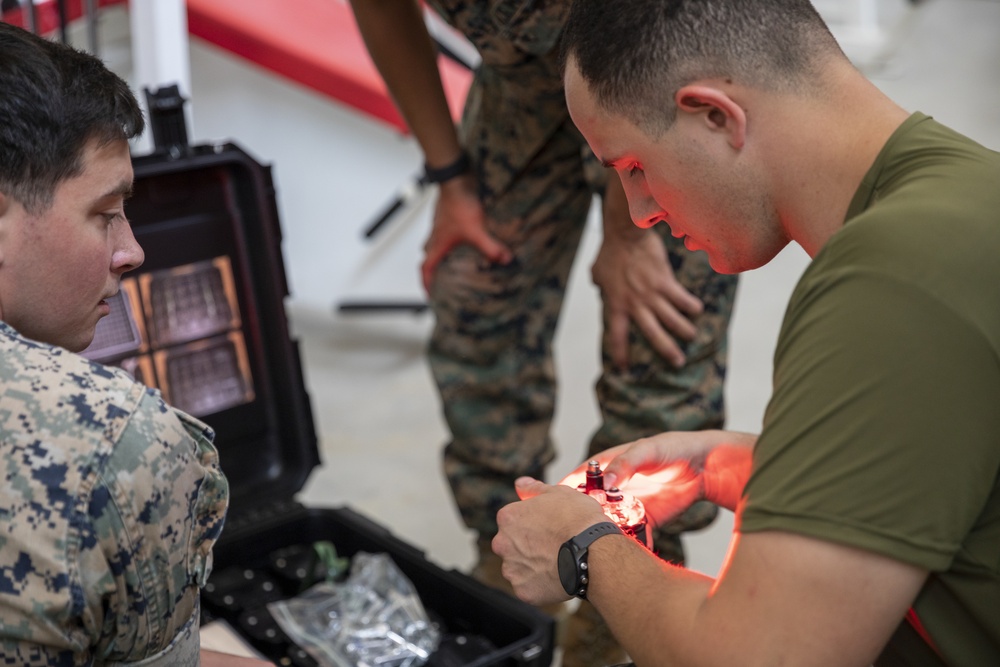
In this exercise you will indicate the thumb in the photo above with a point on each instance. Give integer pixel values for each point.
(528, 487)
(618, 472)
(491, 248)
(434, 253)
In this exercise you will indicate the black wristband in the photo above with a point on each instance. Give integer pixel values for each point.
(447, 172)
(572, 562)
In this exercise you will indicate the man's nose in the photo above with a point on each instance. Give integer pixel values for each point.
(644, 211)
(128, 254)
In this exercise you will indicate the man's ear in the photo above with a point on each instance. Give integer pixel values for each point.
(720, 112)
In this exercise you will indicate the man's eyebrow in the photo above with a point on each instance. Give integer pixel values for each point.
(123, 190)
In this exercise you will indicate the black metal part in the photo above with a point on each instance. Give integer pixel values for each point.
(355, 307)
(63, 21)
(383, 218)
(166, 120)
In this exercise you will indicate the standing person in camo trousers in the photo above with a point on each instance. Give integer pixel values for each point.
(516, 185)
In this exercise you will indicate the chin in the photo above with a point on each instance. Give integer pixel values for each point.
(732, 265)
(721, 265)
(80, 342)
(724, 269)
(77, 348)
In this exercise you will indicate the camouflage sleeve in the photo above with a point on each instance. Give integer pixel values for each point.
(157, 512)
(125, 578)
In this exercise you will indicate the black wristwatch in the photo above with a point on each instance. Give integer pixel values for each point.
(573, 572)
(460, 166)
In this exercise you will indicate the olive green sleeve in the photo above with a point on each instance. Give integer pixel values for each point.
(883, 428)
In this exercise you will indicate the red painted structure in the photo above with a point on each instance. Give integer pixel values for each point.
(315, 43)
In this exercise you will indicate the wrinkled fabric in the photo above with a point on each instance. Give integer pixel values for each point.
(111, 501)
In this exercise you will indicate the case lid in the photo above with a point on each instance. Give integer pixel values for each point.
(203, 318)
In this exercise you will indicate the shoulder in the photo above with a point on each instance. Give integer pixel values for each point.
(912, 248)
(930, 184)
(51, 369)
(65, 403)
(927, 216)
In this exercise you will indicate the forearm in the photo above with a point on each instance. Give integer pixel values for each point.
(650, 605)
(780, 598)
(402, 50)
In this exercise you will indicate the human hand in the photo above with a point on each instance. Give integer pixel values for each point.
(531, 532)
(459, 219)
(666, 483)
(638, 285)
(671, 471)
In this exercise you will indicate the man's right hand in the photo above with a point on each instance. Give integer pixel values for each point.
(459, 219)
(671, 471)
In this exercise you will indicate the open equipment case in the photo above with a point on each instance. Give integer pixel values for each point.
(203, 320)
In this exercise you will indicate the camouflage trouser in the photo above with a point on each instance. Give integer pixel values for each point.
(652, 397)
(491, 349)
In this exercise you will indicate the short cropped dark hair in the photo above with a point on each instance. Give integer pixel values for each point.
(53, 101)
(636, 54)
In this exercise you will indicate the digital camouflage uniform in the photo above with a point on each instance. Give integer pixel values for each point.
(111, 502)
(491, 349)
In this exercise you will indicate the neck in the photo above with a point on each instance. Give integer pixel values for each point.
(819, 172)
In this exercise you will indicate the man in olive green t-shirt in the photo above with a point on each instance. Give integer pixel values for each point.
(868, 510)
(883, 432)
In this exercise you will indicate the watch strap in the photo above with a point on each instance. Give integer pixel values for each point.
(460, 166)
(587, 537)
(578, 547)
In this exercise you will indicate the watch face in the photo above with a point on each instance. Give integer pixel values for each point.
(567, 570)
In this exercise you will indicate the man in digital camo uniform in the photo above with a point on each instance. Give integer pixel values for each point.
(515, 190)
(111, 499)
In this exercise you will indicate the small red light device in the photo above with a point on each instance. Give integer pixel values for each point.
(624, 509)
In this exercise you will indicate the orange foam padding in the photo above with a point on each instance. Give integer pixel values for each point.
(315, 43)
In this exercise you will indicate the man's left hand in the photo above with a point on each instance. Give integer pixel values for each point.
(531, 532)
(638, 285)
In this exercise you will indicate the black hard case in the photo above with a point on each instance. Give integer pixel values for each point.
(207, 201)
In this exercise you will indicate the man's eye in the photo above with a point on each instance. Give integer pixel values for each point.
(112, 216)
